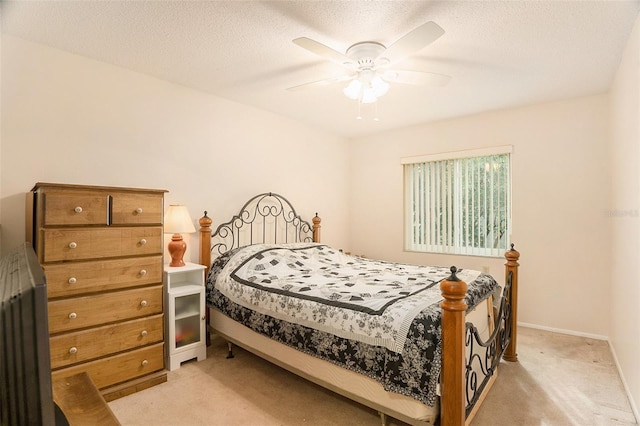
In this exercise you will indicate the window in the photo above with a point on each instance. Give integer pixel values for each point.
(459, 203)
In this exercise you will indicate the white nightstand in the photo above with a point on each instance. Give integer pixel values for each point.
(185, 314)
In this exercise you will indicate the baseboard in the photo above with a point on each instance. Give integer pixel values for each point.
(634, 408)
(632, 403)
(563, 331)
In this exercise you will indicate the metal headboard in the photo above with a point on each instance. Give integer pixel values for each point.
(265, 218)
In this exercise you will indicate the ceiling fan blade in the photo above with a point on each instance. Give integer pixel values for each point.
(413, 41)
(318, 83)
(322, 50)
(417, 78)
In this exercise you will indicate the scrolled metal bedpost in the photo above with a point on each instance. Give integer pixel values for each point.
(316, 228)
(511, 269)
(452, 377)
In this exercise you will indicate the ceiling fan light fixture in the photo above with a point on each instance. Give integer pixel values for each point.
(369, 95)
(365, 89)
(352, 91)
(379, 86)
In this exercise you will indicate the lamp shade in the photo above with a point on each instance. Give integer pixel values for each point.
(178, 221)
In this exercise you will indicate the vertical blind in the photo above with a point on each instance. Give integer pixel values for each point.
(459, 205)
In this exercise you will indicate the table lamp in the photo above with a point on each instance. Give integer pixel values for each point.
(177, 221)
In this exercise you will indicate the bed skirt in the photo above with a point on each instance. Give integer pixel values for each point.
(350, 384)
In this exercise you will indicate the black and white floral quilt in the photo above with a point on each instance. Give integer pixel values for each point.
(381, 319)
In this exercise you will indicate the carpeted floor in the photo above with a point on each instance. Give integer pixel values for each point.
(560, 380)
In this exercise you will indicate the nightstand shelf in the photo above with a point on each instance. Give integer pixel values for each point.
(185, 321)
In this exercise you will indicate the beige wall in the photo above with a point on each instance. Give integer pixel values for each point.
(560, 193)
(74, 120)
(625, 222)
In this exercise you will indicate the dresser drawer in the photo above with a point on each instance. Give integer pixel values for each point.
(119, 368)
(71, 279)
(71, 208)
(81, 346)
(89, 311)
(136, 209)
(89, 243)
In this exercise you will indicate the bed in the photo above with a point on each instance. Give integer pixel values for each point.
(420, 344)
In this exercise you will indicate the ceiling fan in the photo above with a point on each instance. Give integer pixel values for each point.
(369, 64)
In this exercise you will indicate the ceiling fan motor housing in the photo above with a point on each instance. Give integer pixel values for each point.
(365, 55)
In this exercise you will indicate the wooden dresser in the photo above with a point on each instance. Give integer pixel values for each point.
(101, 249)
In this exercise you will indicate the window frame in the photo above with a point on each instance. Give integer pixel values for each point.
(455, 246)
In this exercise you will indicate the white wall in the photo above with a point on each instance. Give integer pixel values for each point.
(73, 120)
(625, 217)
(559, 196)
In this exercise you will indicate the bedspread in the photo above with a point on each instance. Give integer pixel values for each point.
(381, 319)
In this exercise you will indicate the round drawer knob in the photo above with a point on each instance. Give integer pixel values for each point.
(143, 272)
(73, 350)
(143, 242)
(73, 315)
(144, 303)
(143, 333)
(144, 362)
(138, 210)
(78, 209)
(73, 245)
(73, 280)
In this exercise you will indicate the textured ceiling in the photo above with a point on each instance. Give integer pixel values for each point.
(499, 53)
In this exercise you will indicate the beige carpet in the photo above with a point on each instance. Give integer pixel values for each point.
(560, 380)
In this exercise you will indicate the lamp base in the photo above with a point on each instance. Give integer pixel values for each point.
(177, 247)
